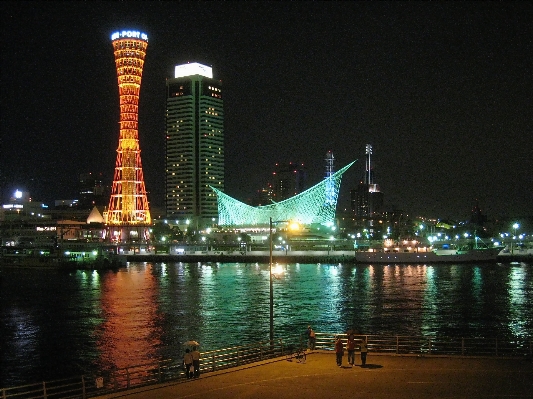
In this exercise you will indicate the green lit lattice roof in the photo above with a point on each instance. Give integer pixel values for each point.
(315, 205)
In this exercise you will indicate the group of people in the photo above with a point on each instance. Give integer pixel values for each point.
(350, 347)
(191, 360)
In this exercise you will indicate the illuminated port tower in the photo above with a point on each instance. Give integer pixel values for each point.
(128, 205)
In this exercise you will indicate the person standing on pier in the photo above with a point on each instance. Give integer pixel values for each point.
(196, 361)
(187, 361)
(339, 351)
(364, 351)
(312, 339)
(350, 347)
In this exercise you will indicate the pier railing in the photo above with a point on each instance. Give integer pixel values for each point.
(172, 370)
(428, 345)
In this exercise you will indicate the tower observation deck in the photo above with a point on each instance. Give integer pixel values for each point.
(128, 205)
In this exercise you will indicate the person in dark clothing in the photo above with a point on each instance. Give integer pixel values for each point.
(339, 351)
(196, 362)
(312, 339)
(350, 347)
(364, 351)
(187, 361)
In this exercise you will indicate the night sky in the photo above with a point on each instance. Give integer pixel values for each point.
(442, 90)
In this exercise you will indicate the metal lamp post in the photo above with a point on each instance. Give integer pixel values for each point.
(515, 226)
(271, 291)
(271, 284)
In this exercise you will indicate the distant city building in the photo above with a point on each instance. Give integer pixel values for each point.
(92, 191)
(263, 196)
(66, 203)
(330, 171)
(21, 207)
(366, 198)
(128, 205)
(477, 217)
(20, 196)
(194, 149)
(288, 180)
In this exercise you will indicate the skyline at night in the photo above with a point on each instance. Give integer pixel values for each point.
(442, 92)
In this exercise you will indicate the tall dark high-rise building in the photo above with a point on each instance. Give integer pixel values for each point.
(194, 147)
(92, 191)
(330, 184)
(477, 217)
(288, 180)
(263, 196)
(366, 198)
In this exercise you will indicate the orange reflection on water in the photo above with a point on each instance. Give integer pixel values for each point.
(130, 331)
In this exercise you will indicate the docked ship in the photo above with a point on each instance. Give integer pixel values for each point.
(43, 259)
(412, 251)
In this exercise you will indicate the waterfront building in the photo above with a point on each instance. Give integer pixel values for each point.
(128, 205)
(194, 149)
(21, 207)
(314, 206)
(31, 224)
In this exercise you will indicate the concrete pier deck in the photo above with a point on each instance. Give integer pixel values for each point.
(385, 376)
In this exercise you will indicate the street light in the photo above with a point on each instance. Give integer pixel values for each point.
(271, 284)
(515, 226)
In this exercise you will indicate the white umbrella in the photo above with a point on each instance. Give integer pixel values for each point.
(191, 343)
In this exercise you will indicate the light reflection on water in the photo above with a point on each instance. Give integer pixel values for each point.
(130, 333)
(57, 324)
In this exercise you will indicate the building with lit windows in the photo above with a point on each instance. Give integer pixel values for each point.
(194, 146)
(366, 198)
(288, 180)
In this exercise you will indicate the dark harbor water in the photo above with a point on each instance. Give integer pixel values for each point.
(59, 324)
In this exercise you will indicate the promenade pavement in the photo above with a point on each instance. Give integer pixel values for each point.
(385, 376)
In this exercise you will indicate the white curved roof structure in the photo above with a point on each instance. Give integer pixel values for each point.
(315, 205)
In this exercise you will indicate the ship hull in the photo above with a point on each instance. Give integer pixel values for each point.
(438, 256)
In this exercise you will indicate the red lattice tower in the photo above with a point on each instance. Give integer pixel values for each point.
(128, 205)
